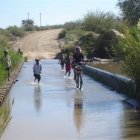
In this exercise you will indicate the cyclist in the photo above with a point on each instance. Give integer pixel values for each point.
(78, 47)
(78, 59)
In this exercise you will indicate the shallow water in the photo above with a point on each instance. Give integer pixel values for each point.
(56, 110)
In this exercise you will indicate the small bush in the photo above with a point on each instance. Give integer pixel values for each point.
(74, 35)
(62, 34)
(5, 116)
(2, 74)
(105, 44)
(100, 22)
(16, 31)
(130, 53)
(88, 42)
(72, 25)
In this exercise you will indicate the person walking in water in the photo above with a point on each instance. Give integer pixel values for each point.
(7, 62)
(61, 61)
(78, 57)
(37, 68)
(67, 64)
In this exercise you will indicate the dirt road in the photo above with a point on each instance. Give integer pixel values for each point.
(41, 44)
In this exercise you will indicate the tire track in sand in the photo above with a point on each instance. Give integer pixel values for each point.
(41, 44)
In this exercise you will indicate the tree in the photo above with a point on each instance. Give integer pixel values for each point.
(106, 44)
(88, 42)
(28, 24)
(100, 22)
(130, 10)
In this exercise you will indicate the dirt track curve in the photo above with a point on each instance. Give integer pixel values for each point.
(41, 44)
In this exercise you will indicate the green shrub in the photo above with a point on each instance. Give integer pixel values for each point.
(4, 32)
(73, 35)
(130, 53)
(88, 42)
(62, 34)
(3, 41)
(100, 22)
(4, 38)
(16, 31)
(15, 58)
(72, 25)
(4, 116)
(2, 75)
(106, 44)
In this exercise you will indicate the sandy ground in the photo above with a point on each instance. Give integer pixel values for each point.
(41, 44)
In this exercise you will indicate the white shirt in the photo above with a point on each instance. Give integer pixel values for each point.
(37, 68)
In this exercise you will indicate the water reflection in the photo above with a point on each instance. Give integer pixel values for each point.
(78, 110)
(5, 115)
(131, 124)
(37, 97)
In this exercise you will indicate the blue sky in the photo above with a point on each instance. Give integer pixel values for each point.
(12, 12)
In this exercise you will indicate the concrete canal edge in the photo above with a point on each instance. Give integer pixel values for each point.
(114, 81)
(8, 84)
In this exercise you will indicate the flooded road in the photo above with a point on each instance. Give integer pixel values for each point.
(56, 110)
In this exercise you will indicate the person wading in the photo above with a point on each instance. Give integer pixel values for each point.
(67, 65)
(37, 68)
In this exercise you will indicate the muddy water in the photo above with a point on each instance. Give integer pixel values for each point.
(56, 110)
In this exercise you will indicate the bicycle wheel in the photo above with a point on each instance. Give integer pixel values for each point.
(77, 80)
(81, 81)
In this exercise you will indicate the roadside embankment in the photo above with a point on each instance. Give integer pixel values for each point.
(114, 81)
(8, 84)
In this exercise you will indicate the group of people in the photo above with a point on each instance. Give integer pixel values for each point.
(66, 61)
(75, 61)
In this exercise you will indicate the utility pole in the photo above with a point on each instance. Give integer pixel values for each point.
(28, 15)
(40, 19)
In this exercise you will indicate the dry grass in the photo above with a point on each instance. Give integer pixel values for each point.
(114, 67)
